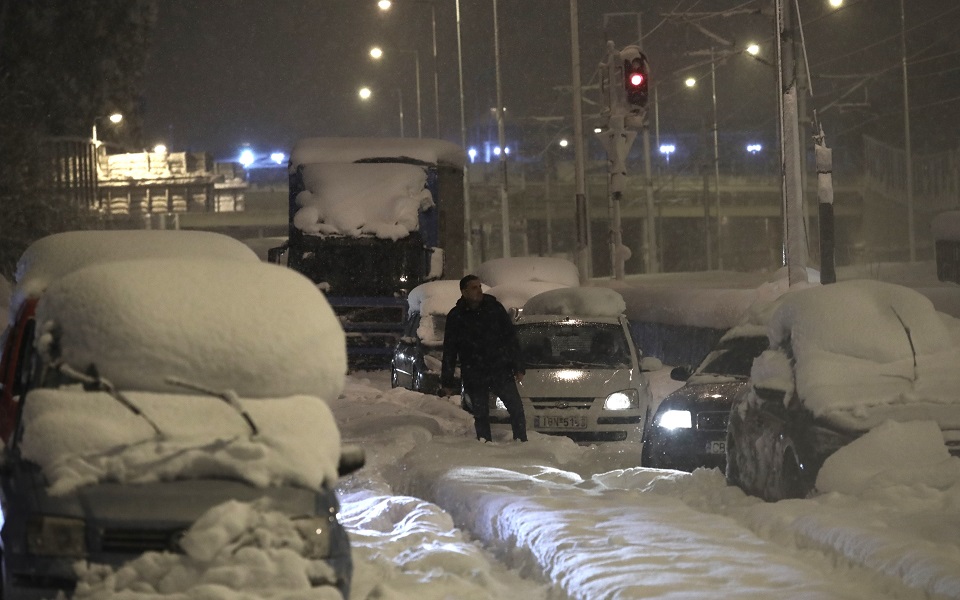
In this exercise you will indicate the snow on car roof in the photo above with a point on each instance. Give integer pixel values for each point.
(61, 253)
(352, 149)
(79, 438)
(577, 301)
(515, 294)
(259, 329)
(436, 297)
(862, 343)
(528, 268)
(383, 200)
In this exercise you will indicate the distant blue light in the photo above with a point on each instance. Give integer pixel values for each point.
(754, 148)
(278, 157)
(247, 157)
(472, 153)
(496, 150)
(667, 149)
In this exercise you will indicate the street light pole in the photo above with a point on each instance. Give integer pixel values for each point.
(436, 76)
(716, 156)
(501, 140)
(911, 236)
(400, 100)
(467, 226)
(581, 215)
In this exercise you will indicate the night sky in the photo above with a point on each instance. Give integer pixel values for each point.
(267, 72)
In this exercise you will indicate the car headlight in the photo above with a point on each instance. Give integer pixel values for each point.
(623, 400)
(317, 533)
(675, 419)
(56, 536)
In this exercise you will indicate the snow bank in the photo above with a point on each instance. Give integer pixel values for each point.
(578, 301)
(529, 268)
(261, 330)
(894, 453)
(435, 297)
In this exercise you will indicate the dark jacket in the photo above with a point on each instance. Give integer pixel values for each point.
(483, 339)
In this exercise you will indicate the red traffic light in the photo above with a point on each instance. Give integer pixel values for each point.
(636, 79)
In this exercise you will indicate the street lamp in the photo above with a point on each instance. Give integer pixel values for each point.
(366, 93)
(384, 5)
(115, 118)
(376, 53)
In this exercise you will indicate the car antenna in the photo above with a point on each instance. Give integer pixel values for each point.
(92, 381)
(228, 396)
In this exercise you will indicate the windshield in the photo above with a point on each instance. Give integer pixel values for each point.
(734, 357)
(362, 266)
(573, 344)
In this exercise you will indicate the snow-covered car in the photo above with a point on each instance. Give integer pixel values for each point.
(159, 389)
(584, 377)
(844, 359)
(60, 254)
(689, 428)
(418, 354)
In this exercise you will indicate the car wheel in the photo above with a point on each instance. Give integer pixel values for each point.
(732, 472)
(394, 380)
(791, 483)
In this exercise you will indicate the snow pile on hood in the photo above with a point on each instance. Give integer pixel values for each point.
(515, 294)
(235, 550)
(59, 254)
(577, 301)
(858, 344)
(352, 149)
(259, 329)
(529, 268)
(379, 199)
(79, 438)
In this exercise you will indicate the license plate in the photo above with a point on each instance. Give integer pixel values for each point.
(550, 422)
(717, 447)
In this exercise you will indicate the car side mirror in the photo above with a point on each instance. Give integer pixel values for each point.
(275, 255)
(650, 363)
(352, 459)
(681, 373)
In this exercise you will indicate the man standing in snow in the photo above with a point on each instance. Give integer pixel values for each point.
(480, 333)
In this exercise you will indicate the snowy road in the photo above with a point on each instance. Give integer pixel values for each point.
(436, 514)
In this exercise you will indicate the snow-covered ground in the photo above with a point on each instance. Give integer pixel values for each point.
(436, 514)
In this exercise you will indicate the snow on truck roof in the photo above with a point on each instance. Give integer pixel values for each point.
(353, 149)
(59, 254)
(355, 199)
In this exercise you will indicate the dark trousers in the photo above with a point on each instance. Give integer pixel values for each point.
(480, 394)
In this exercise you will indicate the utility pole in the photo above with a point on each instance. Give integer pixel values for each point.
(467, 225)
(795, 242)
(581, 216)
(911, 235)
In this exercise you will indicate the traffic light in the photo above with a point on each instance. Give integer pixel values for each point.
(635, 77)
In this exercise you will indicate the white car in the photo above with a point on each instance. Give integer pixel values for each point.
(585, 378)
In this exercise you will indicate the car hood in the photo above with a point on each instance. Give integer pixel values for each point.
(573, 382)
(700, 395)
(172, 503)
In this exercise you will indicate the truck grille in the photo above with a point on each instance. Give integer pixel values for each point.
(138, 541)
(562, 403)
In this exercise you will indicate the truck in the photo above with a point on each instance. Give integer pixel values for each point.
(369, 220)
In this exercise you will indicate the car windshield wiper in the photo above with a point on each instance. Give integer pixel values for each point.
(92, 381)
(228, 396)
